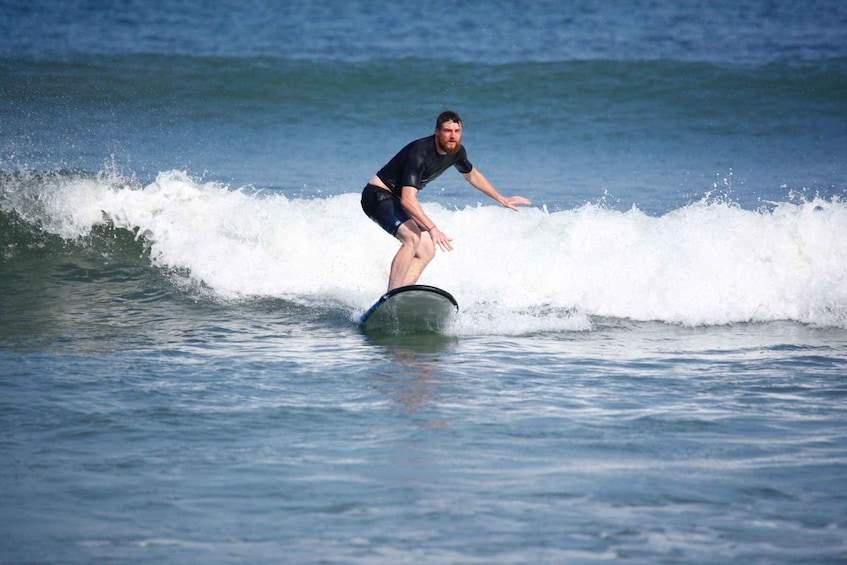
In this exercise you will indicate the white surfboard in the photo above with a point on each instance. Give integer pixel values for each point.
(411, 309)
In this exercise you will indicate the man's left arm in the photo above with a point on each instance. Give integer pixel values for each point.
(479, 182)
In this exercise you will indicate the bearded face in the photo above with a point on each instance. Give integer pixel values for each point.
(448, 138)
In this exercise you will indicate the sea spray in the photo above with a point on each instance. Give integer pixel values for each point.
(710, 262)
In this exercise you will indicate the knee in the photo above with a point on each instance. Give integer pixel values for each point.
(408, 233)
(412, 240)
(426, 249)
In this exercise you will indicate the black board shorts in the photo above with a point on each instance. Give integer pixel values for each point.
(384, 208)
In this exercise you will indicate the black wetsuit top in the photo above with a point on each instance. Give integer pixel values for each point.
(418, 163)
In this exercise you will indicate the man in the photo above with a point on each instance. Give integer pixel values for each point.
(391, 197)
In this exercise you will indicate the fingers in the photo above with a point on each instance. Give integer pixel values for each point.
(513, 202)
(441, 239)
(445, 244)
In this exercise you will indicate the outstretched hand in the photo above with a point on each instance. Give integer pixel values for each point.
(513, 202)
(441, 239)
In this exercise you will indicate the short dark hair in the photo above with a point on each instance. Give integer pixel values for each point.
(448, 116)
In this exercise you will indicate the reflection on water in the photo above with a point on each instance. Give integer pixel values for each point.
(411, 377)
(412, 344)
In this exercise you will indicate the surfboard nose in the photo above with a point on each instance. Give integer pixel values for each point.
(411, 309)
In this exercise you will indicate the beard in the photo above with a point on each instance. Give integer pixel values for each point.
(451, 150)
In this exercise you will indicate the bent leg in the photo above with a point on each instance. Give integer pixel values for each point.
(410, 237)
(423, 255)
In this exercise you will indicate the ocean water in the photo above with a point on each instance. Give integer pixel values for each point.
(648, 365)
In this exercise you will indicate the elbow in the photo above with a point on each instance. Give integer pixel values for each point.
(408, 202)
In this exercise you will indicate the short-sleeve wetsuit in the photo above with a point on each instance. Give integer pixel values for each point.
(418, 163)
(415, 165)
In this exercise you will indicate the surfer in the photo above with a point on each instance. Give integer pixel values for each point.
(391, 197)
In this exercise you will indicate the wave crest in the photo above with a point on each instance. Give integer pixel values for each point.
(710, 262)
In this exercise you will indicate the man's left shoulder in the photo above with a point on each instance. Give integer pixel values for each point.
(461, 162)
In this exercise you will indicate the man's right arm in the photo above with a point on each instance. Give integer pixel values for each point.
(410, 202)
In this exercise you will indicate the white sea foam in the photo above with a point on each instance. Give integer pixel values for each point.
(706, 263)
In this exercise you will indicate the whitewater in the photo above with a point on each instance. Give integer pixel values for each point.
(708, 263)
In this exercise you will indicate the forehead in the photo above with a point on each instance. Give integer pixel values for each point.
(451, 125)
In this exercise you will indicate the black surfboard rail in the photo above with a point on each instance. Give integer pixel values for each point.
(415, 287)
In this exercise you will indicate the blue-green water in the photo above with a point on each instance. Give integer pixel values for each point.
(648, 365)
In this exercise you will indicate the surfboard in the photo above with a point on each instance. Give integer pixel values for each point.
(411, 309)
